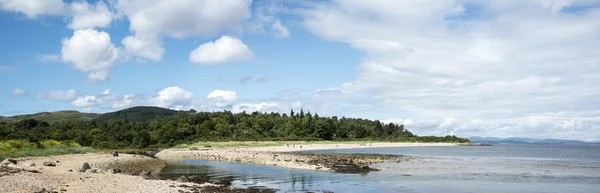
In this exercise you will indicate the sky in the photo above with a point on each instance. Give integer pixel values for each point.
(511, 68)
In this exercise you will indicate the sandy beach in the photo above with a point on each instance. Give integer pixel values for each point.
(136, 173)
(65, 177)
(289, 157)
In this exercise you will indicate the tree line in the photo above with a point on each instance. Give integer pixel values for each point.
(191, 126)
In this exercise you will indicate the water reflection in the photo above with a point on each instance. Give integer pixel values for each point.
(467, 172)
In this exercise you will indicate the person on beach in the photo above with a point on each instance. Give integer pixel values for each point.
(115, 153)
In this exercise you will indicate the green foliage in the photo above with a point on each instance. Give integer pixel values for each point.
(22, 148)
(137, 114)
(52, 117)
(153, 127)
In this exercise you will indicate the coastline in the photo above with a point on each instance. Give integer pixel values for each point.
(291, 157)
(107, 174)
(137, 173)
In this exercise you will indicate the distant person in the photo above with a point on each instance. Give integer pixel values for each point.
(115, 153)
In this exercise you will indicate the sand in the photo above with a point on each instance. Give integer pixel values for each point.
(60, 179)
(286, 156)
(64, 177)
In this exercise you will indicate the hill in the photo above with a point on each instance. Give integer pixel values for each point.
(136, 114)
(52, 117)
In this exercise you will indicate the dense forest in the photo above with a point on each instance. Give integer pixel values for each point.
(143, 127)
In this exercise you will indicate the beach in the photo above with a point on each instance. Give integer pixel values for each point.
(289, 156)
(101, 177)
(137, 173)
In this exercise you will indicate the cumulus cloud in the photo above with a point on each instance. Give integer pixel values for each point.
(59, 95)
(150, 20)
(85, 101)
(18, 92)
(518, 67)
(260, 107)
(34, 8)
(90, 51)
(171, 97)
(224, 49)
(222, 98)
(90, 16)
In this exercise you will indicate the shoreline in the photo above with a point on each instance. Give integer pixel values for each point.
(138, 173)
(65, 173)
(291, 157)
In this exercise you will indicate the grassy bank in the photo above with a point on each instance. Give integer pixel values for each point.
(20, 148)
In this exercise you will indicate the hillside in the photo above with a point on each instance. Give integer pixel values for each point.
(52, 117)
(135, 114)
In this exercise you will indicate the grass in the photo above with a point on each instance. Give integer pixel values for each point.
(209, 144)
(18, 148)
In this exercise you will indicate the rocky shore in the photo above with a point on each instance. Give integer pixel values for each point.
(95, 173)
(345, 163)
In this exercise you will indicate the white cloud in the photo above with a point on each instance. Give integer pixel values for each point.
(222, 98)
(279, 30)
(59, 95)
(18, 92)
(266, 14)
(90, 51)
(85, 102)
(149, 48)
(34, 8)
(518, 67)
(127, 100)
(90, 16)
(152, 19)
(98, 76)
(260, 107)
(106, 92)
(171, 97)
(296, 105)
(222, 50)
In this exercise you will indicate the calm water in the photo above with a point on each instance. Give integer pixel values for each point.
(500, 168)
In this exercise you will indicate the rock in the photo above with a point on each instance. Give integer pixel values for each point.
(85, 167)
(29, 164)
(49, 164)
(69, 170)
(183, 179)
(8, 161)
(365, 167)
(111, 171)
(144, 173)
(91, 171)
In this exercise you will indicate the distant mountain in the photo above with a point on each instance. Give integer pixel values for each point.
(519, 140)
(137, 114)
(52, 117)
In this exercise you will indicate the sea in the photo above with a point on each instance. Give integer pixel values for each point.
(547, 168)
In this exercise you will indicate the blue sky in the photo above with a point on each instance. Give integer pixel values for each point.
(480, 68)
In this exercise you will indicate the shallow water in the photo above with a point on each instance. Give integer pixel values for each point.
(500, 168)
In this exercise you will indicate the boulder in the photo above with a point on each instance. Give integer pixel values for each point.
(111, 171)
(29, 164)
(49, 164)
(8, 161)
(91, 171)
(85, 167)
(183, 179)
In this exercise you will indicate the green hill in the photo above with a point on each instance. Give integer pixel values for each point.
(52, 117)
(137, 114)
